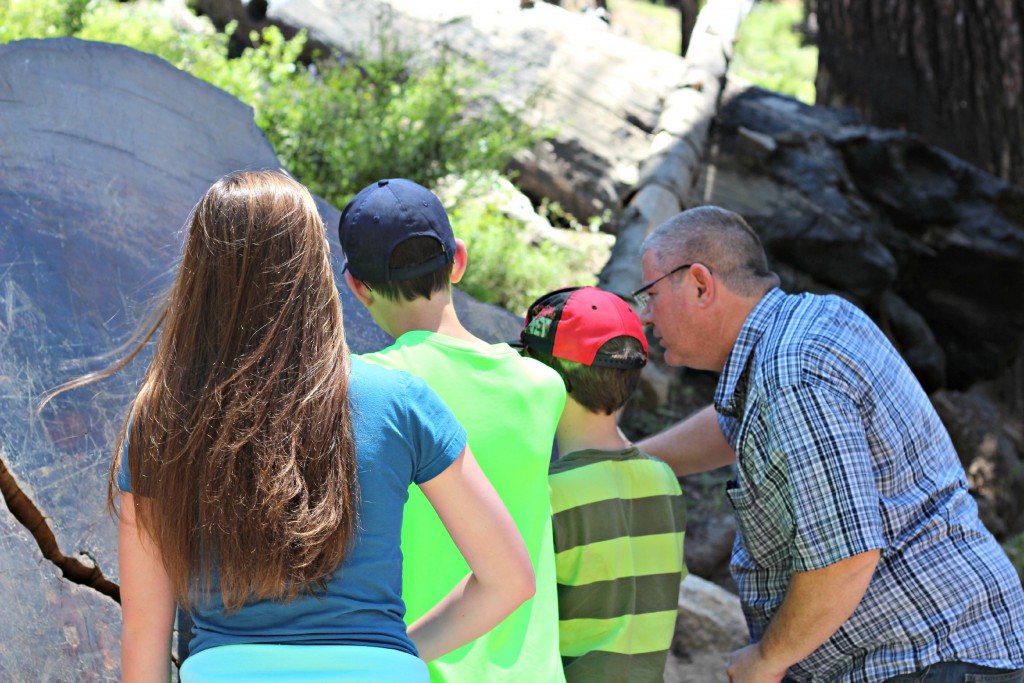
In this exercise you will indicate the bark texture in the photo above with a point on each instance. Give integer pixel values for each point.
(951, 71)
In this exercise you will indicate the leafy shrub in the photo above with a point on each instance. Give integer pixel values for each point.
(40, 18)
(769, 51)
(505, 267)
(1014, 548)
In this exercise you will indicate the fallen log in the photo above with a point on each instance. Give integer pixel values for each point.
(602, 93)
(673, 163)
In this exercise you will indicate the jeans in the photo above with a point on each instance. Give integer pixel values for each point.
(960, 672)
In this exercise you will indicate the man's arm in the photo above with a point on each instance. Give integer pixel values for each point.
(817, 603)
(694, 445)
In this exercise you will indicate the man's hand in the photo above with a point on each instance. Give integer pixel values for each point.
(747, 665)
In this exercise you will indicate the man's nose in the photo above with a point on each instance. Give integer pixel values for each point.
(645, 316)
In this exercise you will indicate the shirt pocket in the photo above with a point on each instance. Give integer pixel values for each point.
(763, 532)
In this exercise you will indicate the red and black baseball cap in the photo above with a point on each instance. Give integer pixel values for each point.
(575, 322)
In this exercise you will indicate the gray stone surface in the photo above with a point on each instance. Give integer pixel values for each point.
(709, 627)
(51, 630)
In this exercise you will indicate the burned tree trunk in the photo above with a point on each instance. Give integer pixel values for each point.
(951, 71)
(688, 10)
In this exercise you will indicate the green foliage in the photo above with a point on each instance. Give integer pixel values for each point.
(654, 24)
(504, 267)
(40, 18)
(769, 52)
(143, 26)
(337, 125)
(1014, 548)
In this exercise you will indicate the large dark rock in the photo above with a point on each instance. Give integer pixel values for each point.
(931, 247)
(106, 150)
(989, 441)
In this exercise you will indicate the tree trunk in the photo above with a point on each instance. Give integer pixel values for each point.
(951, 71)
(688, 10)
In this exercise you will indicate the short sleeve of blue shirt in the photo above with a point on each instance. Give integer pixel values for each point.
(437, 437)
(124, 474)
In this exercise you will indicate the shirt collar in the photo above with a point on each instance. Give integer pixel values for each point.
(730, 394)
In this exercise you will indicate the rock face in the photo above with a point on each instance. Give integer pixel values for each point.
(52, 630)
(928, 245)
(106, 150)
(990, 441)
(931, 247)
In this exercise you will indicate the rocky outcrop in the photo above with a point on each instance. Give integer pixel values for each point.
(105, 152)
(990, 440)
(931, 247)
(52, 630)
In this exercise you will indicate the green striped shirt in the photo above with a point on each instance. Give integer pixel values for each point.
(619, 521)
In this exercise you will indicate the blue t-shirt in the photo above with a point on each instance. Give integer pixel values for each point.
(404, 434)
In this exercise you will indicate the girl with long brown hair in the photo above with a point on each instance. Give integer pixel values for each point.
(262, 471)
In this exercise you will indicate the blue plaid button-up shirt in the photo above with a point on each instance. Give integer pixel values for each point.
(840, 452)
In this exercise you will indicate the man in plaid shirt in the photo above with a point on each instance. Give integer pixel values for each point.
(860, 556)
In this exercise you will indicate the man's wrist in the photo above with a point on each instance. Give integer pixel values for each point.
(771, 660)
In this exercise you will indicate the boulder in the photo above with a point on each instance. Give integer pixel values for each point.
(709, 626)
(52, 630)
(106, 150)
(990, 442)
(931, 247)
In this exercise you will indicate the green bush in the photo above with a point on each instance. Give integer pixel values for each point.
(504, 267)
(40, 18)
(1014, 548)
(769, 51)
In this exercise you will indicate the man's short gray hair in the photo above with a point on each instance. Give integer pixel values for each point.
(718, 238)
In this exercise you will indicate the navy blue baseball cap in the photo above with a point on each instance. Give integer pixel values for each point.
(383, 215)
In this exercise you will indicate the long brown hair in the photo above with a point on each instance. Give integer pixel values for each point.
(240, 443)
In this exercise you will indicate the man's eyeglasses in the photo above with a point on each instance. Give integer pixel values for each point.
(642, 298)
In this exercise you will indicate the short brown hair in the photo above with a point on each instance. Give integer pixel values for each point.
(599, 389)
(412, 252)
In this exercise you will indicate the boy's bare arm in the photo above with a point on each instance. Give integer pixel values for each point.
(694, 445)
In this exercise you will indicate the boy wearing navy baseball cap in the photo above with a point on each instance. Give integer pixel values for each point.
(402, 259)
(618, 514)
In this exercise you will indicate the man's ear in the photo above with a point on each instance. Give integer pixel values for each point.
(705, 284)
(461, 259)
(359, 289)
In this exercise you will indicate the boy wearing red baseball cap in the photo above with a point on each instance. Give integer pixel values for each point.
(618, 514)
